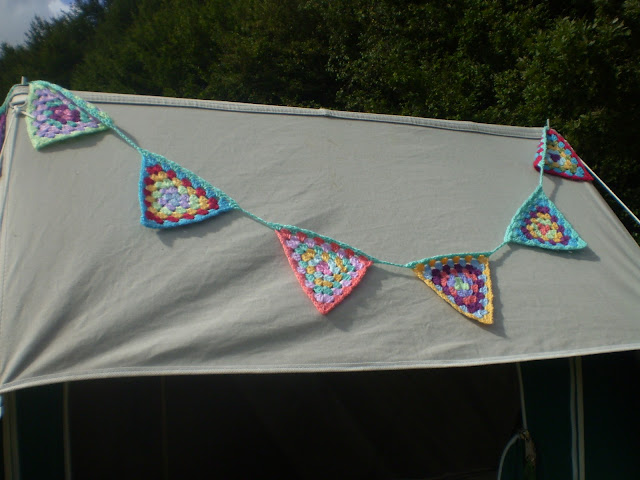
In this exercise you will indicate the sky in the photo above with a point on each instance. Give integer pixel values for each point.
(16, 16)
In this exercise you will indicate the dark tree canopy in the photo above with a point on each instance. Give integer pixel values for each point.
(497, 61)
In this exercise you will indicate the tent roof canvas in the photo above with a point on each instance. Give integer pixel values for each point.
(88, 292)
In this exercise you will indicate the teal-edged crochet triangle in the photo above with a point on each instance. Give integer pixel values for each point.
(539, 223)
(172, 196)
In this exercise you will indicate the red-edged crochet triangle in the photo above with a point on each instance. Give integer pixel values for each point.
(327, 272)
(561, 159)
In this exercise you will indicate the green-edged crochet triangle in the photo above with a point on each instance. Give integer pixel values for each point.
(56, 114)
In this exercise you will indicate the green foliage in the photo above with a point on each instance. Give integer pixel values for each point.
(499, 61)
(253, 51)
(53, 48)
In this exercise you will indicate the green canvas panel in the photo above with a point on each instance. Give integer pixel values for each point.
(379, 419)
(39, 413)
(547, 389)
(116, 429)
(612, 421)
(400, 424)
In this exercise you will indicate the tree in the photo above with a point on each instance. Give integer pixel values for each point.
(496, 61)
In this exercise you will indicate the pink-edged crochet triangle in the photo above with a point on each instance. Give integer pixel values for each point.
(327, 272)
(560, 158)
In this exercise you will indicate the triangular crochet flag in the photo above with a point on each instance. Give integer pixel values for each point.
(539, 223)
(560, 158)
(171, 195)
(463, 281)
(56, 114)
(327, 272)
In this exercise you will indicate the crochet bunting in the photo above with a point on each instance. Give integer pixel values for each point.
(539, 223)
(327, 272)
(56, 114)
(463, 281)
(560, 158)
(171, 195)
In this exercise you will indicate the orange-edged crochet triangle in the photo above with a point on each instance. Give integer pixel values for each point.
(561, 159)
(327, 272)
(462, 281)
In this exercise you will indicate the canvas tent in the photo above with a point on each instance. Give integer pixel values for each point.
(99, 311)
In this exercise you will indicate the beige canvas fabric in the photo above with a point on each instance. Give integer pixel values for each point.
(87, 292)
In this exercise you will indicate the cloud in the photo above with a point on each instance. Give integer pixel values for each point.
(57, 7)
(16, 16)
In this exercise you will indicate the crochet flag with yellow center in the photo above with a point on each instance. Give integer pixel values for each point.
(539, 223)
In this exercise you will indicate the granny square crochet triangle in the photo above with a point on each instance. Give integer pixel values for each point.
(326, 271)
(539, 223)
(560, 158)
(171, 195)
(463, 281)
(54, 114)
